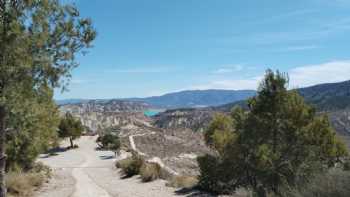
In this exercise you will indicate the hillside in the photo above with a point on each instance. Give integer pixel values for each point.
(97, 114)
(328, 97)
(197, 98)
(325, 97)
(194, 119)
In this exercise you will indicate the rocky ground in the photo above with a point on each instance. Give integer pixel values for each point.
(178, 149)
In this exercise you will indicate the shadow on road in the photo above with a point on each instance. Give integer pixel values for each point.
(106, 157)
(54, 152)
(192, 193)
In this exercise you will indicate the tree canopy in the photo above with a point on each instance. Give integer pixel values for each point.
(109, 139)
(39, 40)
(70, 127)
(278, 143)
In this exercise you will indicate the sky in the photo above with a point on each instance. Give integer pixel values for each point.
(151, 47)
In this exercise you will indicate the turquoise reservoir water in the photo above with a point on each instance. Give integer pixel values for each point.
(152, 112)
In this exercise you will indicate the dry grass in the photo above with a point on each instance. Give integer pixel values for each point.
(150, 172)
(130, 166)
(23, 184)
(187, 182)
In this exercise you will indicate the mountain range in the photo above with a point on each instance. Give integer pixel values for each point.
(324, 97)
(183, 99)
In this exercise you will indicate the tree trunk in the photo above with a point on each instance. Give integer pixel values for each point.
(71, 144)
(2, 152)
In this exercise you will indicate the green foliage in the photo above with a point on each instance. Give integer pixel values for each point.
(131, 166)
(34, 131)
(150, 171)
(109, 141)
(113, 129)
(39, 40)
(279, 142)
(216, 175)
(219, 134)
(70, 127)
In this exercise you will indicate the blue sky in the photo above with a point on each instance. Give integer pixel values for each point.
(152, 47)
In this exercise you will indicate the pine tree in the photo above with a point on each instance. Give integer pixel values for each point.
(280, 142)
(39, 40)
(34, 130)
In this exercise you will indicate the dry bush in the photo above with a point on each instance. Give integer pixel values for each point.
(334, 183)
(150, 171)
(22, 184)
(187, 182)
(165, 174)
(130, 166)
(39, 167)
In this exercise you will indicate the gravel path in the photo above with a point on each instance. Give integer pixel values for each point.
(85, 172)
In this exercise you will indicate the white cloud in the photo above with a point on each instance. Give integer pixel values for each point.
(329, 72)
(239, 84)
(303, 76)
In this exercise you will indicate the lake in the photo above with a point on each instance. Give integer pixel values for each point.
(152, 112)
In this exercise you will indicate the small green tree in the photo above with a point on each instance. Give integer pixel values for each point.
(109, 141)
(70, 128)
(279, 143)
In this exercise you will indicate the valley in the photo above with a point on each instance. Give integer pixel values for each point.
(171, 138)
(174, 98)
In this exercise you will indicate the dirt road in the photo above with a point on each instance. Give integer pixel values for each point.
(85, 172)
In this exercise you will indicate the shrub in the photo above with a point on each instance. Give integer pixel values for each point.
(165, 174)
(150, 171)
(22, 184)
(109, 141)
(130, 166)
(186, 182)
(334, 183)
(346, 164)
(215, 175)
(39, 167)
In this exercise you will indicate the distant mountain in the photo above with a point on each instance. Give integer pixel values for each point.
(183, 99)
(197, 98)
(328, 97)
(325, 97)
